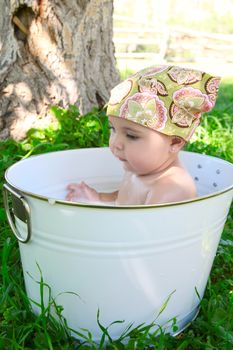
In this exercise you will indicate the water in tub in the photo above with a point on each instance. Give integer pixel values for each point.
(101, 184)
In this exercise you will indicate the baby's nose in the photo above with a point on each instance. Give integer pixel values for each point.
(118, 143)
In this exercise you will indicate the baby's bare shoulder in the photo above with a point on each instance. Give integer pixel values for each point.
(176, 185)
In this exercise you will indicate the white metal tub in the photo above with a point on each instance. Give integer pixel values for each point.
(124, 261)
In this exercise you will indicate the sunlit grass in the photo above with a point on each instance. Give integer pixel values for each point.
(21, 329)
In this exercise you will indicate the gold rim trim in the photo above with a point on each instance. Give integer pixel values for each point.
(95, 206)
(99, 206)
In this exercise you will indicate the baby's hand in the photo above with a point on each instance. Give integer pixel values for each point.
(82, 193)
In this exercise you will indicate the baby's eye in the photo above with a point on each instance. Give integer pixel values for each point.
(132, 137)
(111, 128)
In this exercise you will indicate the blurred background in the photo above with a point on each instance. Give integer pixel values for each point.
(196, 33)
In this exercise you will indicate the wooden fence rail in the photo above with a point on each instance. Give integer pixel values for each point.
(172, 43)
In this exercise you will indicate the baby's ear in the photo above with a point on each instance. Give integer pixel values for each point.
(176, 144)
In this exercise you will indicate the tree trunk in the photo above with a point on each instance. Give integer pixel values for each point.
(56, 52)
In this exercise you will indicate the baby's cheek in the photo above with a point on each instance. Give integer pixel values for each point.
(110, 140)
(110, 143)
(133, 162)
(141, 165)
(110, 146)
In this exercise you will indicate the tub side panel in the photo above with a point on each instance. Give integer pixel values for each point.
(124, 262)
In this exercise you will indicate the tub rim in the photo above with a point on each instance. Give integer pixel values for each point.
(53, 201)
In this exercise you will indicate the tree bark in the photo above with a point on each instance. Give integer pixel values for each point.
(53, 53)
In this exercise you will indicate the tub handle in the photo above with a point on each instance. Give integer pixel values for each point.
(20, 209)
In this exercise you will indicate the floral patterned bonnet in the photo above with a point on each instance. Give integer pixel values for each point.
(168, 99)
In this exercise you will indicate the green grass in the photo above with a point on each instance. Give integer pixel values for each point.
(21, 329)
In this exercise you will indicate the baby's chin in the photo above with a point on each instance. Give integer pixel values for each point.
(138, 172)
(127, 167)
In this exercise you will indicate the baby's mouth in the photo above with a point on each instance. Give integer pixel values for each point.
(121, 159)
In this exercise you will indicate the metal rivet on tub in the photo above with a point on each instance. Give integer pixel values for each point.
(214, 184)
(196, 178)
(218, 171)
(199, 166)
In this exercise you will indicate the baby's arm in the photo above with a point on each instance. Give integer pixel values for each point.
(84, 193)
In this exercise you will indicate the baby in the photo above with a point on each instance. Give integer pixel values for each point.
(152, 114)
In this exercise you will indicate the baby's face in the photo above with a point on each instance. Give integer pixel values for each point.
(143, 151)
